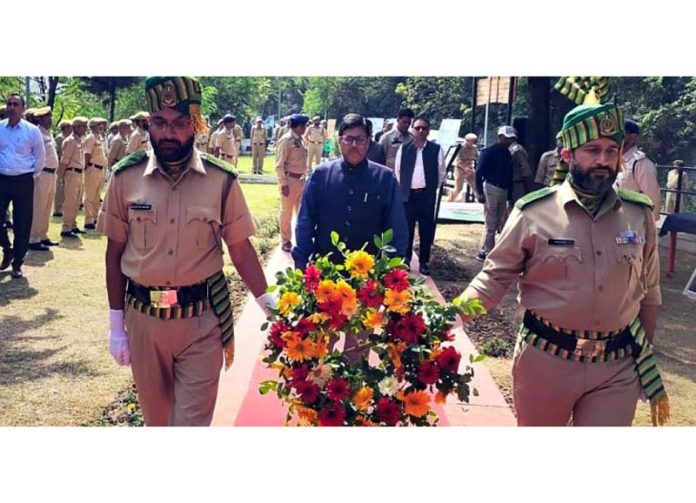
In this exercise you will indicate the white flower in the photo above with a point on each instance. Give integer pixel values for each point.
(388, 385)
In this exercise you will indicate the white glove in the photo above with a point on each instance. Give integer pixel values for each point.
(118, 341)
(266, 302)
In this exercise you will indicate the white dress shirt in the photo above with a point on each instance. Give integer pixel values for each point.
(21, 149)
(418, 178)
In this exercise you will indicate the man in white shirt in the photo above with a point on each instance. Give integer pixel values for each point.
(420, 169)
(22, 158)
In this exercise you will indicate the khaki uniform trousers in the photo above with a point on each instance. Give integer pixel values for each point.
(238, 148)
(176, 367)
(94, 180)
(462, 175)
(290, 205)
(314, 153)
(553, 391)
(44, 193)
(73, 190)
(258, 153)
(60, 194)
(494, 214)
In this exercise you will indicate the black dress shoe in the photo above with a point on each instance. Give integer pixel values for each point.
(90, 226)
(57, 214)
(38, 247)
(425, 270)
(68, 234)
(7, 257)
(48, 242)
(286, 247)
(78, 231)
(16, 273)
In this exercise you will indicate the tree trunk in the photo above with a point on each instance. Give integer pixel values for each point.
(52, 87)
(538, 131)
(112, 100)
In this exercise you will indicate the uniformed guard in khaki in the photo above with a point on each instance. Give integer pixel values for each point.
(238, 137)
(139, 138)
(65, 131)
(291, 166)
(225, 145)
(44, 184)
(522, 177)
(465, 166)
(258, 146)
(72, 167)
(119, 143)
(96, 164)
(548, 164)
(314, 137)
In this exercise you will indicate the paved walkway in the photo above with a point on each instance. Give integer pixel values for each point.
(239, 403)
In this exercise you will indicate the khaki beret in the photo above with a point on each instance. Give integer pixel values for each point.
(80, 121)
(113, 125)
(29, 112)
(40, 112)
(140, 116)
(95, 121)
(64, 123)
(125, 122)
(471, 136)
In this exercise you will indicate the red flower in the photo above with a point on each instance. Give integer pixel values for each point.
(369, 295)
(300, 373)
(305, 326)
(449, 359)
(312, 276)
(332, 307)
(308, 391)
(332, 415)
(397, 280)
(428, 373)
(276, 331)
(399, 330)
(337, 322)
(388, 411)
(338, 389)
(414, 325)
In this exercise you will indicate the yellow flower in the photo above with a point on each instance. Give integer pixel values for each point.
(288, 301)
(299, 350)
(318, 318)
(325, 290)
(363, 398)
(417, 403)
(373, 320)
(360, 264)
(397, 302)
(130, 407)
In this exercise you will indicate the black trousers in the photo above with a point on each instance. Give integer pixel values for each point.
(20, 191)
(420, 208)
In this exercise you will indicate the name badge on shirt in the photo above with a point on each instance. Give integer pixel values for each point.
(561, 242)
(629, 237)
(141, 206)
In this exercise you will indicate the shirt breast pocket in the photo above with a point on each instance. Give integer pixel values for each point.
(204, 223)
(559, 266)
(629, 267)
(142, 227)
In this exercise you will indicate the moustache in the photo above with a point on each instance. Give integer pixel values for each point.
(169, 144)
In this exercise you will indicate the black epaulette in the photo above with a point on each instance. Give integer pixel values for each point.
(635, 197)
(219, 163)
(537, 195)
(129, 160)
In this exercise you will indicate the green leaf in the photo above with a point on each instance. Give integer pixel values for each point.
(479, 358)
(395, 262)
(378, 242)
(334, 238)
(271, 289)
(475, 392)
(264, 327)
(267, 386)
(387, 236)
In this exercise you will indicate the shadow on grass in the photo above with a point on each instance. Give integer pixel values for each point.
(12, 289)
(18, 365)
(38, 258)
(71, 243)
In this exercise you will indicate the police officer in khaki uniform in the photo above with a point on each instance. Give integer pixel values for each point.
(65, 131)
(673, 183)
(586, 261)
(522, 177)
(548, 163)
(291, 166)
(166, 215)
(258, 137)
(238, 137)
(96, 163)
(139, 138)
(465, 165)
(113, 131)
(314, 138)
(44, 185)
(225, 142)
(392, 140)
(202, 139)
(280, 130)
(117, 149)
(72, 166)
(213, 136)
(639, 173)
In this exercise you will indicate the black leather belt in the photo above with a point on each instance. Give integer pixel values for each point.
(49, 170)
(185, 295)
(294, 175)
(95, 165)
(418, 190)
(316, 142)
(571, 343)
(496, 185)
(76, 170)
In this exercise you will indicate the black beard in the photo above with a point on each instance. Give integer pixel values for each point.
(172, 154)
(597, 186)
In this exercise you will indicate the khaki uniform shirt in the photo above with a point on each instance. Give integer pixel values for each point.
(238, 135)
(467, 157)
(258, 135)
(291, 156)
(572, 269)
(202, 142)
(280, 132)
(173, 230)
(391, 142)
(95, 146)
(226, 142)
(59, 144)
(117, 151)
(213, 139)
(50, 147)
(315, 135)
(520, 162)
(139, 140)
(547, 167)
(640, 174)
(73, 152)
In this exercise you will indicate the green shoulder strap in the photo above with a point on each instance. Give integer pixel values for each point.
(220, 164)
(634, 197)
(129, 160)
(537, 195)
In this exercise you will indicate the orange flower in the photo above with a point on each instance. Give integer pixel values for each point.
(397, 302)
(318, 318)
(288, 301)
(363, 398)
(299, 350)
(348, 297)
(306, 416)
(325, 290)
(417, 403)
(363, 421)
(360, 264)
(290, 336)
(320, 348)
(373, 320)
(440, 398)
(394, 353)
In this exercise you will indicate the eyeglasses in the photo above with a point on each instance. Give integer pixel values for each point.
(178, 126)
(421, 128)
(358, 140)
